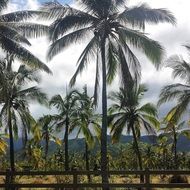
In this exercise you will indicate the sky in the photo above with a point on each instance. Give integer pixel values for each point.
(64, 65)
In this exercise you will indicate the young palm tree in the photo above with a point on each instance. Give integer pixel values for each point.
(86, 122)
(3, 144)
(14, 99)
(128, 112)
(66, 109)
(112, 28)
(174, 128)
(178, 91)
(47, 124)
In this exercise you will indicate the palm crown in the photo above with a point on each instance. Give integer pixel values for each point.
(177, 91)
(108, 19)
(127, 108)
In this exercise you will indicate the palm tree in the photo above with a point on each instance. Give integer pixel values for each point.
(174, 128)
(47, 124)
(111, 27)
(14, 31)
(128, 112)
(66, 109)
(87, 122)
(14, 99)
(178, 91)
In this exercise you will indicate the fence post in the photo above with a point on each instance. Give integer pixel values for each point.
(8, 179)
(147, 178)
(75, 181)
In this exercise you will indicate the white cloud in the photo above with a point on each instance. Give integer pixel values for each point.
(64, 65)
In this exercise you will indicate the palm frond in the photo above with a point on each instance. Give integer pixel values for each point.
(19, 16)
(152, 49)
(131, 59)
(29, 30)
(57, 101)
(137, 16)
(180, 67)
(60, 44)
(88, 53)
(117, 128)
(151, 123)
(22, 54)
(55, 10)
(149, 109)
(33, 93)
(112, 62)
(11, 33)
(63, 25)
(3, 4)
(173, 91)
(96, 8)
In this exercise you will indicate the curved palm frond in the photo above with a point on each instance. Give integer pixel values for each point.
(59, 45)
(86, 55)
(11, 33)
(149, 109)
(152, 49)
(137, 16)
(19, 16)
(22, 54)
(173, 91)
(3, 4)
(63, 25)
(29, 30)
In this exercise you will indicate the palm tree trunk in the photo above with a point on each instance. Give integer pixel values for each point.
(137, 149)
(24, 138)
(66, 144)
(87, 160)
(46, 147)
(104, 116)
(175, 148)
(11, 142)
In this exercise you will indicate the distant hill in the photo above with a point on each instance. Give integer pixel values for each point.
(77, 145)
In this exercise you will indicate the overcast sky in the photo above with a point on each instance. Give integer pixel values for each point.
(64, 65)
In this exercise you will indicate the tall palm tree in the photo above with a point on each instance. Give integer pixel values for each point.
(86, 122)
(128, 112)
(14, 31)
(66, 109)
(15, 98)
(177, 91)
(112, 27)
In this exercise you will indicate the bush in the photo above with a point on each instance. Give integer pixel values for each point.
(178, 179)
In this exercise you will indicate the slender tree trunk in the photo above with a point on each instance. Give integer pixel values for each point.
(24, 138)
(11, 141)
(66, 145)
(46, 147)
(175, 148)
(137, 149)
(87, 160)
(104, 163)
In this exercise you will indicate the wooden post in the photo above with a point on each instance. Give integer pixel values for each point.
(147, 179)
(75, 181)
(8, 179)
